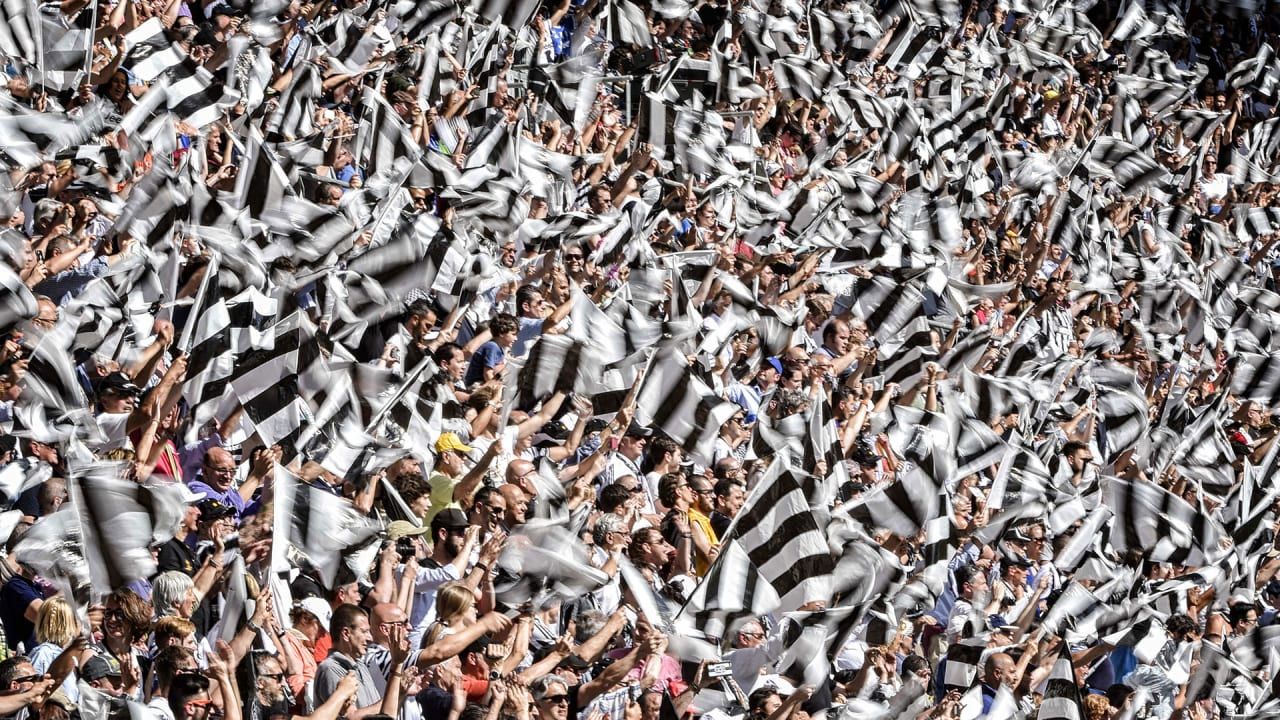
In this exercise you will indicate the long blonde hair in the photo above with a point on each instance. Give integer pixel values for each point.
(453, 599)
(56, 622)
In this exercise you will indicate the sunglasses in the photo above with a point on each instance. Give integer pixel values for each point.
(556, 699)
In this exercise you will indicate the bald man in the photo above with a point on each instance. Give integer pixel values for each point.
(217, 480)
(1000, 669)
(386, 622)
(517, 505)
(520, 473)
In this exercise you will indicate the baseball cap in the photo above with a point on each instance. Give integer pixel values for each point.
(776, 364)
(211, 510)
(118, 383)
(403, 528)
(637, 430)
(319, 608)
(60, 699)
(100, 666)
(1016, 561)
(449, 518)
(451, 441)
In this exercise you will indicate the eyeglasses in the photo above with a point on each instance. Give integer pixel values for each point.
(272, 676)
(27, 679)
(396, 623)
(556, 699)
(704, 491)
(113, 614)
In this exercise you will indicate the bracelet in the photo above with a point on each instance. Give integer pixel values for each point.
(254, 627)
(687, 536)
(484, 567)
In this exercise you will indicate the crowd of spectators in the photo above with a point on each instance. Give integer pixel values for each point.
(1164, 282)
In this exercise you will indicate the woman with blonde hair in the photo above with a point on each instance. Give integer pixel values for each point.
(57, 630)
(455, 609)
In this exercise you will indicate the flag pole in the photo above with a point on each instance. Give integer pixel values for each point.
(39, 23)
(400, 392)
(93, 27)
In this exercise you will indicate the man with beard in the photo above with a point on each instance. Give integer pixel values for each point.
(453, 540)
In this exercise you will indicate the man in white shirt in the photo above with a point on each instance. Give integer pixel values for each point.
(448, 561)
(626, 460)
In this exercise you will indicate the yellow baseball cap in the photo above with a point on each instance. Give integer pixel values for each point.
(451, 441)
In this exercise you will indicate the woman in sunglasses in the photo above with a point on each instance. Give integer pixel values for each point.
(126, 622)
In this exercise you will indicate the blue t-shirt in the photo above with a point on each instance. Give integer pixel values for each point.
(490, 355)
(530, 330)
(15, 596)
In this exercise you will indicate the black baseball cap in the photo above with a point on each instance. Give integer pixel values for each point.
(118, 383)
(449, 518)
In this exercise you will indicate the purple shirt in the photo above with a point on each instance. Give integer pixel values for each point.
(230, 497)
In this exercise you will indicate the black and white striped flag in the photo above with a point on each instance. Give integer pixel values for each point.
(513, 14)
(149, 51)
(1061, 693)
(683, 407)
(557, 363)
(783, 539)
(964, 659)
(418, 19)
(1162, 525)
(273, 382)
(1132, 169)
(318, 526)
(732, 590)
(803, 79)
(824, 447)
(383, 140)
(1257, 377)
(121, 521)
(903, 507)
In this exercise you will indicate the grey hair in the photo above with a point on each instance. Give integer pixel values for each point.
(543, 684)
(588, 623)
(605, 524)
(168, 591)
